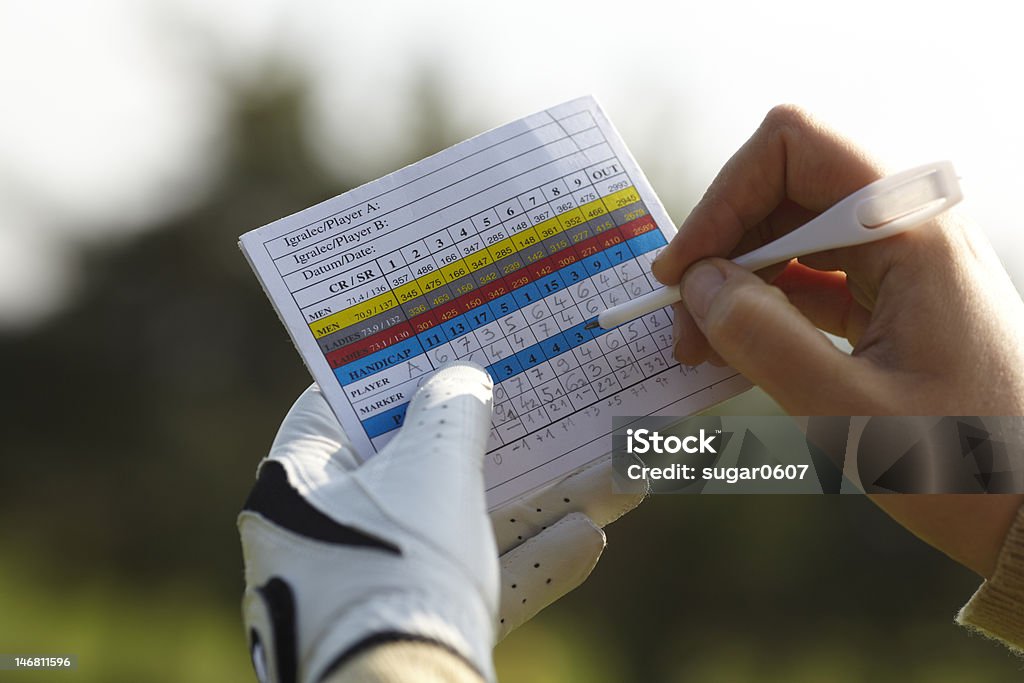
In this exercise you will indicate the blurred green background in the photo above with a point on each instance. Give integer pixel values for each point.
(133, 417)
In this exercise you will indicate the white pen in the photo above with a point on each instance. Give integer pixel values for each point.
(886, 207)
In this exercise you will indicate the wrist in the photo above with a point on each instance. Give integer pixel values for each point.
(464, 628)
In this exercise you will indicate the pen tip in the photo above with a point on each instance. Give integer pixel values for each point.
(591, 325)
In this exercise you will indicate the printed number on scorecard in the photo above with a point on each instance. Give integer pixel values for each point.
(498, 250)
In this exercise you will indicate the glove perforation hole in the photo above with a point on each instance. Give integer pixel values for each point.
(538, 509)
(512, 520)
(548, 581)
(524, 601)
(519, 538)
(536, 565)
(502, 620)
(566, 500)
(513, 586)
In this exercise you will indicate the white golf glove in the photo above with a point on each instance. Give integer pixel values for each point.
(341, 556)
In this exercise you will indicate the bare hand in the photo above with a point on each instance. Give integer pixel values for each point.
(937, 327)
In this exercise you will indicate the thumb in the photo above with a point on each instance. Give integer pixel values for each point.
(754, 328)
(430, 476)
(452, 409)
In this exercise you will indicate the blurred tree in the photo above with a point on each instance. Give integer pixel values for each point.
(134, 419)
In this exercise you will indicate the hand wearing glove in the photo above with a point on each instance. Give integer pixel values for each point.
(341, 556)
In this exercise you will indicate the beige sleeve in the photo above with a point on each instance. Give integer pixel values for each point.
(405, 661)
(996, 610)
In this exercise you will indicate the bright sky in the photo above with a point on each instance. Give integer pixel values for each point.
(108, 113)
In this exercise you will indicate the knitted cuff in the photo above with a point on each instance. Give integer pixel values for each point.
(996, 610)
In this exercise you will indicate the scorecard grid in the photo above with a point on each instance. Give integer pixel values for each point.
(536, 233)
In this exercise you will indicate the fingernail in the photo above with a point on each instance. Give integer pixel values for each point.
(677, 325)
(654, 264)
(677, 328)
(700, 285)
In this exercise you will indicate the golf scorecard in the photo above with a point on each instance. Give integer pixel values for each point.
(497, 250)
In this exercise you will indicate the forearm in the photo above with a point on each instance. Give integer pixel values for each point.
(405, 661)
(970, 528)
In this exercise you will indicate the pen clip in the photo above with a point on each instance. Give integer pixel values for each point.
(907, 199)
(886, 207)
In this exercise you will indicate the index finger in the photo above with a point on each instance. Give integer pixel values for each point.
(790, 156)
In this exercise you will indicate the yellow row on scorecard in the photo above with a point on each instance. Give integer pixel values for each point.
(475, 261)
